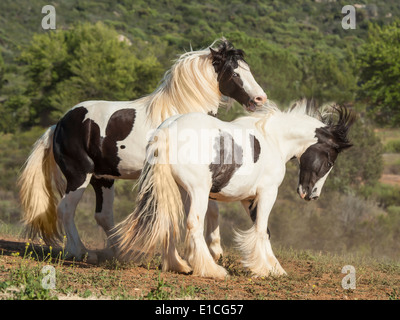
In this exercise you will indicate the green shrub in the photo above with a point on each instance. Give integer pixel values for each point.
(393, 146)
(385, 195)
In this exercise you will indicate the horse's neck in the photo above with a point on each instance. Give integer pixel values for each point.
(292, 134)
(191, 86)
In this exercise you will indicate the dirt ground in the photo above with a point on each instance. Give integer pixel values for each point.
(310, 276)
(392, 179)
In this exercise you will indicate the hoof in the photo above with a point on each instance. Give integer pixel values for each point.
(216, 252)
(217, 272)
(179, 266)
(106, 254)
(90, 257)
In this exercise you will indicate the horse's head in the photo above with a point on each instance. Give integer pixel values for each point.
(317, 161)
(235, 78)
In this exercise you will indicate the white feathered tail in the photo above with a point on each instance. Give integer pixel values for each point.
(159, 209)
(38, 201)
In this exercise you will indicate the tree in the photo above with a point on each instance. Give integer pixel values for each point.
(326, 78)
(1, 70)
(87, 62)
(380, 73)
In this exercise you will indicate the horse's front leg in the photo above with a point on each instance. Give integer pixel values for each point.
(104, 190)
(74, 247)
(254, 243)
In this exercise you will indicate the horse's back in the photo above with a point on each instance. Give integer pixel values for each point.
(99, 137)
(204, 151)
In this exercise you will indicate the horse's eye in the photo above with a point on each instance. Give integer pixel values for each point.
(235, 74)
(330, 164)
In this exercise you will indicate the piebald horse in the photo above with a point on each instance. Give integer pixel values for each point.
(243, 160)
(99, 141)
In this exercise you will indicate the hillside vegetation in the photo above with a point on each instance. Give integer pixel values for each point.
(119, 50)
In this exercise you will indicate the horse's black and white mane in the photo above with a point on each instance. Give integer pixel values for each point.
(226, 55)
(337, 118)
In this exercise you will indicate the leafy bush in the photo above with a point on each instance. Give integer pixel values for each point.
(380, 73)
(88, 62)
(385, 195)
(393, 146)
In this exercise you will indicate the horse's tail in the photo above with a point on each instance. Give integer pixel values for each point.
(159, 209)
(38, 201)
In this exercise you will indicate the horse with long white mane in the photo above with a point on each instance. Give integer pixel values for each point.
(243, 160)
(99, 141)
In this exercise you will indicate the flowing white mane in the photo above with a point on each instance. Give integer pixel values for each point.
(308, 107)
(189, 86)
(300, 107)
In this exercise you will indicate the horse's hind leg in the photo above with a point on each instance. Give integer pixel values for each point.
(104, 189)
(66, 213)
(199, 256)
(213, 238)
(172, 261)
(171, 258)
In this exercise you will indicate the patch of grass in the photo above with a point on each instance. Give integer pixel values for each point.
(163, 290)
(191, 291)
(394, 294)
(231, 261)
(391, 163)
(392, 146)
(25, 282)
(387, 135)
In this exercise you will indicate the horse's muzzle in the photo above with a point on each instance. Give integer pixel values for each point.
(256, 102)
(305, 194)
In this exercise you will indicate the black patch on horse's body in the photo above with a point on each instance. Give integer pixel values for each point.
(70, 147)
(98, 184)
(228, 160)
(256, 147)
(79, 148)
(118, 128)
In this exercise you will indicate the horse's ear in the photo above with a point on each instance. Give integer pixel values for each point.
(214, 53)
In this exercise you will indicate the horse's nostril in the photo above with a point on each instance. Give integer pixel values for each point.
(260, 99)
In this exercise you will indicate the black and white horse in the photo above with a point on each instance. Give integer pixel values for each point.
(99, 141)
(243, 160)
